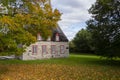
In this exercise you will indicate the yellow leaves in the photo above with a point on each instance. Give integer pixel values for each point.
(19, 17)
(30, 38)
(57, 13)
(23, 19)
(8, 21)
(34, 8)
(38, 17)
(57, 72)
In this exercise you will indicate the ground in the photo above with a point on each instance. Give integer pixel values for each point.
(76, 67)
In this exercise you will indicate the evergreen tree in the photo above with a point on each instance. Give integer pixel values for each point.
(105, 27)
(82, 41)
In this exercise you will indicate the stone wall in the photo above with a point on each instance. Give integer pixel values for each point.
(61, 50)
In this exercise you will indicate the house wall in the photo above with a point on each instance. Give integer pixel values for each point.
(62, 50)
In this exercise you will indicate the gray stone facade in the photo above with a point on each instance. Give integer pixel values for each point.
(55, 46)
(45, 50)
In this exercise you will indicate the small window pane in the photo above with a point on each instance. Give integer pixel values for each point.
(34, 49)
(44, 49)
(53, 49)
(62, 49)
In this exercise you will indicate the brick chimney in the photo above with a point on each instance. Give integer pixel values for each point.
(57, 37)
(49, 38)
(39, 38)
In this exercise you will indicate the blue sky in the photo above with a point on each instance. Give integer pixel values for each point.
(75, 14)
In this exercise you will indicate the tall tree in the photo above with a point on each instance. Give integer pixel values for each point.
(105, 27)
(72, 47)
(21, 20)
(82, 41)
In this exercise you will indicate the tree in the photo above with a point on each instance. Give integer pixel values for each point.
(21, 20)
(72, 47)
(82, 41)
(105, 27)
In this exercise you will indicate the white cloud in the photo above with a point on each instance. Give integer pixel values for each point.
(75, 13)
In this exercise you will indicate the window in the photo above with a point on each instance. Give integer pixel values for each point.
(62, 49)
(34, 49)
(44, 49)
(53, 49)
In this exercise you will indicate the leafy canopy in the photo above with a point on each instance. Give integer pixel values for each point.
(81, 42)
(21, 20)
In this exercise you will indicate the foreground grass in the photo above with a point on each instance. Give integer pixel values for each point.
(76, 67)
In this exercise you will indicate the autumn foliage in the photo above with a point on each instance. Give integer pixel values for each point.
(56, 72)
(22, 21)
(75, 67)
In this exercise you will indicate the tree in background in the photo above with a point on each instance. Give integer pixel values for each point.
(81, 42)
(21, 20)
(105, 27)
(72, 47)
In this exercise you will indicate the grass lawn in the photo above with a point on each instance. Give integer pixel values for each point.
(76, 67)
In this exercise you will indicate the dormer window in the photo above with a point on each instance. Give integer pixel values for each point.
(49, 38)
(57, 38)
(39, 38)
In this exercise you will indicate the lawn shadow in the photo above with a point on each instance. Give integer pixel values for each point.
(96, 61)
(114, 63)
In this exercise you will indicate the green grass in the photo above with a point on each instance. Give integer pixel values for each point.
(75, 67)
(73, 59)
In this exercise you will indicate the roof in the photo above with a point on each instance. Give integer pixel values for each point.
(62, 36)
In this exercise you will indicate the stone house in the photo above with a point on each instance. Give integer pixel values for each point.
(55, 47)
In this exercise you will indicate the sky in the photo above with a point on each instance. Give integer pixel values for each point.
(74, 15)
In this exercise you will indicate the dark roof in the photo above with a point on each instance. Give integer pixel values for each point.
(62, 36)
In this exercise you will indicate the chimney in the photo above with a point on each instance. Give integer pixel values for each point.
(57, 37)
(39, 38)
(49, 38)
